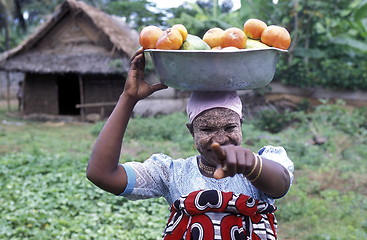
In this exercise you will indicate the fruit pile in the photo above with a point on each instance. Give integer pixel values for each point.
(255, 34)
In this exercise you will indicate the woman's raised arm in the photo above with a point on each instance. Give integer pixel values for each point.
(103, 166)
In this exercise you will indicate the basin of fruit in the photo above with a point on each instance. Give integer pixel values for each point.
(230, 59)
(202, 70)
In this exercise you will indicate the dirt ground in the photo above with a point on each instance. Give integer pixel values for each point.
(13, 104)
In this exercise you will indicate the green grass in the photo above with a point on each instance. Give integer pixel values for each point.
(45, 194)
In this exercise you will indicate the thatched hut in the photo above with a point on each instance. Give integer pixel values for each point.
(75, 63)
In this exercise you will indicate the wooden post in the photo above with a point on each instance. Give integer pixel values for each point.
(102, 106)
(81, 91)
(8, 90)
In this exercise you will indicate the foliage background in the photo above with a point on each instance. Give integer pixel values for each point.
(45, 194)
(329, 39)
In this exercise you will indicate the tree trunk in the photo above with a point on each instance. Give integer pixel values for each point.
(215, 8)
(7, 46)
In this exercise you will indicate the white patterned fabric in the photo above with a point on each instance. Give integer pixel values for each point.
(162, 176)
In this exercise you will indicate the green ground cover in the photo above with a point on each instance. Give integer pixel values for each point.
(45, 194)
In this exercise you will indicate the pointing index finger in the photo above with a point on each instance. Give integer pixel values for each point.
(220, 171)
(218, 151)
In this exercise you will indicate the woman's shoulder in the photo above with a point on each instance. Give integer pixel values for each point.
(269, 149)
(161, 158)
(277, 154)
(165, 157)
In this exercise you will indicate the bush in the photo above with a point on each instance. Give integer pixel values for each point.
(274, 121)
(350, 121)
(170, 129)
(162, 127)
(334, 73)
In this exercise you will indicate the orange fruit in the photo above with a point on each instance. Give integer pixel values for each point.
(149, 35)
(171, 39)
(276, 36)
(182, 29)
(253, 28)
(233, 37)
(213, 37)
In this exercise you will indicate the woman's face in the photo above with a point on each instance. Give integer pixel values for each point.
(219, 125)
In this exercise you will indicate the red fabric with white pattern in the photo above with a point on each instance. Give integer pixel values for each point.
(212, 214)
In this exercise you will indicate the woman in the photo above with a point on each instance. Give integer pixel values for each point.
(226, 192)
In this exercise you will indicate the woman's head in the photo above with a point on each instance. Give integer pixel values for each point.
(201, 101)
(214, 117)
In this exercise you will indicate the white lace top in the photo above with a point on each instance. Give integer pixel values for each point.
(162, 176)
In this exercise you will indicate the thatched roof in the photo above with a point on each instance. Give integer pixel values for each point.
(119, 43)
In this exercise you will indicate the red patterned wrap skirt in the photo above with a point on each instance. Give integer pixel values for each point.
(212, 214)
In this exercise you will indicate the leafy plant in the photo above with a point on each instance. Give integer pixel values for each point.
(45, 194)
(273, 121)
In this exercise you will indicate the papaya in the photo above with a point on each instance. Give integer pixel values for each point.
(193, 42)
(251, 43)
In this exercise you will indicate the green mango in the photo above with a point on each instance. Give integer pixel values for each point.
(255, 44)
(193, 42)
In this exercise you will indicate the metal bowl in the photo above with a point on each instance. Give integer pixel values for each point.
(215, 70)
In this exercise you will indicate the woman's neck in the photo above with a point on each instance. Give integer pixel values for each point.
(205, 169)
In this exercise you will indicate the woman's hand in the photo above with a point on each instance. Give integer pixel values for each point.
(234, 160)
(135, 86)
(266, 175)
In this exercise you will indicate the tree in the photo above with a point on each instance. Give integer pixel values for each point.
(137, 13)
(10, 10)
(328, 43)
(200, 16)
